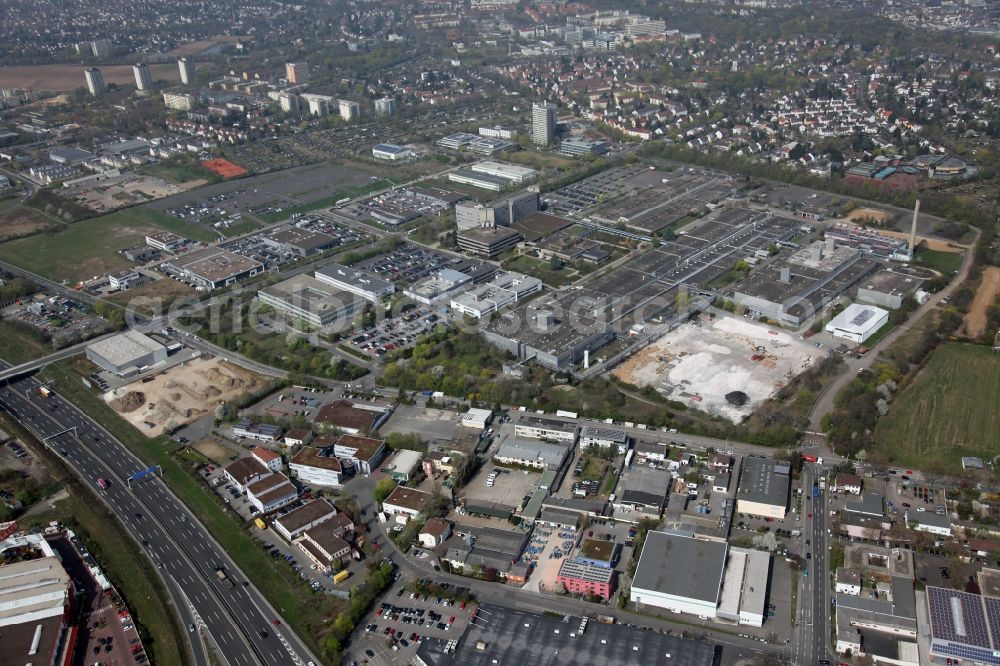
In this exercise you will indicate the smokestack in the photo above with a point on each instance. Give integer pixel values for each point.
(913, 227)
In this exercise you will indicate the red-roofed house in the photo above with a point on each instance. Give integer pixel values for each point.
(435, 532)
(268, 458)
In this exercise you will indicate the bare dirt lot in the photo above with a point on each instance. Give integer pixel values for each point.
(181, 394)
(986, 295)
(213, 450)
(700, 365)
(869, 214)
(60, 78)
(22, 222)
(929, 243)
(132, 190)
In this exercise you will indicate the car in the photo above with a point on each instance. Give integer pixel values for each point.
(906, 505)
(263, 633)
(191, 628)
(369, 654)
(810, 514)
(809, 556)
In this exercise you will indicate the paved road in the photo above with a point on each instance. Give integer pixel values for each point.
(182, 548)
(811, 642)
(362, 489)
(824, 403)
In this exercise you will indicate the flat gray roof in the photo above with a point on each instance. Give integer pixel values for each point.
(516, 637)
(676, 563)
(125, 348)
(353, 277)
(761, 482)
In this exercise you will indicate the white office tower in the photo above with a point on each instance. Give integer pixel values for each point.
(543, 123)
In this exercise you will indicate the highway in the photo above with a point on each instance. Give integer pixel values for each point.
(811, 644)
(238, 620)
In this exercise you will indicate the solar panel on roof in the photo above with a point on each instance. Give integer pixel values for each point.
(862, 317)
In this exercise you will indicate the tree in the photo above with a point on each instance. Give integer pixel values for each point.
(383, 489)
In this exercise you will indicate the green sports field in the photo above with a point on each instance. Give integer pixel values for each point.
(950, 411)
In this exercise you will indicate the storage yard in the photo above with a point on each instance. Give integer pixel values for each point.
(700, 365)
(181, 394)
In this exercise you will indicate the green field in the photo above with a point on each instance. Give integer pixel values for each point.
(90, 248)
(948, 412)
(945, 262)
(542, 270)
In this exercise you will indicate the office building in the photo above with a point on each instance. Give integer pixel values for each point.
(317, 466)
(489, 242)
(385, 106)
(348, 110)
(497, 132)
(538, 427)
(368, 286)
(504, 289)
(439, 287)
(167, 241)
(543, 123)
(587, 579)
(126, 353)
(581, 147)
(500, 212)
(187, 71)
(406, 501)
(143, 79)
(125, 279)
(296, 72)
(313, 301)
(310, 514)
(95, 81)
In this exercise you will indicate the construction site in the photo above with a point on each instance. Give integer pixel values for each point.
(725, 367)
(181, 394)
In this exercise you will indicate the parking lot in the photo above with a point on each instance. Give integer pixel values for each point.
(256, 247)
(399, 332)
(546, 550)
(509, 487)
(407, 264)
(392, 633)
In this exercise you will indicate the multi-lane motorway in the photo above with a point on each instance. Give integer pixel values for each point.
(237, 619)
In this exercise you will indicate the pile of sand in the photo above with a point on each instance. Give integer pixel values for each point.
(129, 402)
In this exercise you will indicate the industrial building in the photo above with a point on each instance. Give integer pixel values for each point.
(503, 290)
(403, 465)
(603, 437)
(888, 288)
(313, 301)
(538, 427)
(309, 515)
(368, 286)
(517, 175)
(793, 289)
(964, 627)
(500, 212)
(519, 637)
(477, 418)
(763, 488)
(271, 492)
(36, 602)
(884, 627)
(744, 588)
(167, 241)
(858, 322)
(666, 578)
(326, 550)
(125, 280)
(489, 242)
(353, 418)
(391, 152)
(127, 353)
(406, 501)
(300, 242)
(213, 267)
(533, 454)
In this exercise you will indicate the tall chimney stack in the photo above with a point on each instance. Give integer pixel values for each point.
(913, 228)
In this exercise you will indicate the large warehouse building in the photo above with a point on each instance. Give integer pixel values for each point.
(666, 578)
(125, 354)
(313, 301)
(213, 267)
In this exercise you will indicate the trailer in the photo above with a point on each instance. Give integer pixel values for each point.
(45, 392)
(341, 576)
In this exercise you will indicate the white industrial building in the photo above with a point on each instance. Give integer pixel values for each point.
(317, 467)
(858, 322)
(477, 418)
(127, 353)
(403, 465)
(603, 437)
(515, 174)
(744, 587)
(391, 152)
(763, 489)
(537, 455)
(536, 427)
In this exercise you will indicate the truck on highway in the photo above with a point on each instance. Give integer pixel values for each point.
(220, 573)
(102, 484)
(45, 391)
